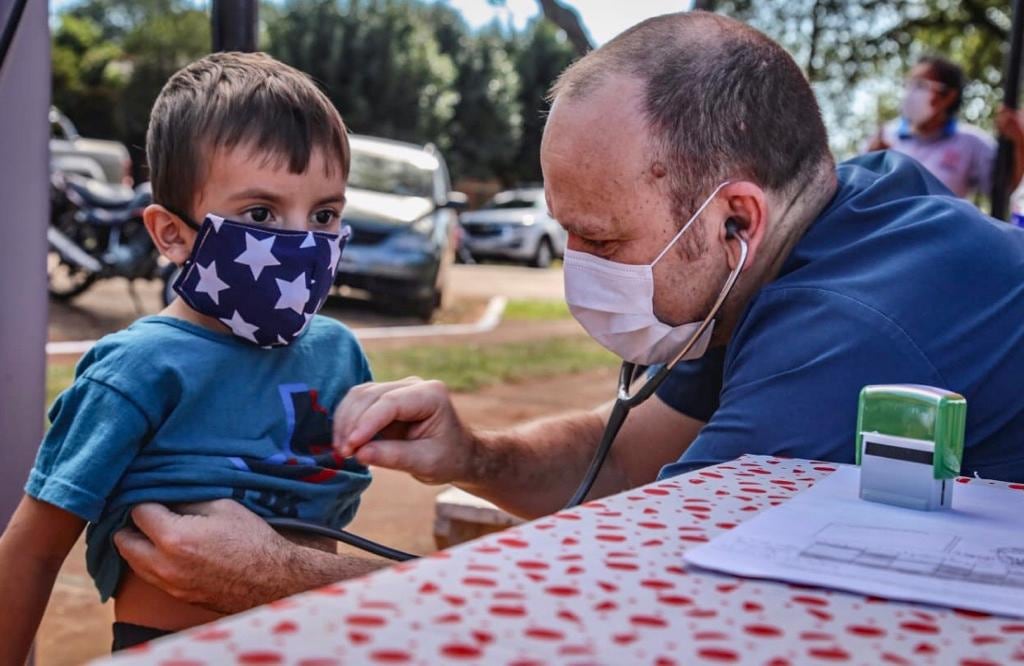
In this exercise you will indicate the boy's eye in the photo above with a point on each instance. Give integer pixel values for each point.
(325, 217)
(259, 214)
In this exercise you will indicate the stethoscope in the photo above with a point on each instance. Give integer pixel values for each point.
(625, 401)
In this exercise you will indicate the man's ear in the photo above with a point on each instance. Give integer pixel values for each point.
(746, 214)
(171, 236)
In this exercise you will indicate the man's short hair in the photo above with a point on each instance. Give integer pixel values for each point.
(723, 101)
(949, 74)
(226, 100)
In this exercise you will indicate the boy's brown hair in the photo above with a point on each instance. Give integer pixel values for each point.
(225, 100)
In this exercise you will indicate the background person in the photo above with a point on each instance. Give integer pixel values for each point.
(960, 155)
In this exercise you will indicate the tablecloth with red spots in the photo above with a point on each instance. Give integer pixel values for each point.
(601, 584)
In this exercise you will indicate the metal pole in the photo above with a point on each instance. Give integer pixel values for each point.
(1001, 185)
(235, 25)
(24, 191)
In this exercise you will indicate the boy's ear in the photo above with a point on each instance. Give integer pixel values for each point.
(172, 237)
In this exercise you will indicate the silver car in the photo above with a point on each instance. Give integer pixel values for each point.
(514, 225)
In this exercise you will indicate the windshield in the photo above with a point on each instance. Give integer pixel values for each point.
(389, 175)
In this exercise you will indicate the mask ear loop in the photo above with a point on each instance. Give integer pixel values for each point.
(686, 226)
(187, 219)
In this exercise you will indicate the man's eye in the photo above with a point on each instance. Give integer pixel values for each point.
(259, 214)
(325, 217)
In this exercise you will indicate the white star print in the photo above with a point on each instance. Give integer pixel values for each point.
(210, 283)
(216, 222)
(258, 255)
(241, 327)
(309, 241)
(294, 294)
(335, 245)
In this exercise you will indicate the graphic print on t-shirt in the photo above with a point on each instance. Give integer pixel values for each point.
(305, 455)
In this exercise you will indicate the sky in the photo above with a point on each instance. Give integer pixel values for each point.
(603, 18)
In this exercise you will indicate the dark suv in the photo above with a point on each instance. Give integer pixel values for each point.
(404, 220)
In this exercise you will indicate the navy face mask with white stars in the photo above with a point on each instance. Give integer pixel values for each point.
(264, 284)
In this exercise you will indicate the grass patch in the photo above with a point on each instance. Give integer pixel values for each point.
(58, 378)
(470, 367)
(462, 367)
(536, 310)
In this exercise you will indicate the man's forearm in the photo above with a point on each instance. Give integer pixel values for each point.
(291, 571)
(533, 469)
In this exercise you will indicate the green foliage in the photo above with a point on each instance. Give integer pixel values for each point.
(470, 367)
(857, 53)
(410, 70)
(376, 60)
(486, 128)
(537, 310)
(541, 54)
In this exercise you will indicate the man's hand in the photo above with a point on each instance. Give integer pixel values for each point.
(416, 428)
(218, 555)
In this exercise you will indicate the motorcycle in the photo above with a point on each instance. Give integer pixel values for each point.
(96, 232)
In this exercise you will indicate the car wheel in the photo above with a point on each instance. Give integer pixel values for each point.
(544, 254)
(424, 308)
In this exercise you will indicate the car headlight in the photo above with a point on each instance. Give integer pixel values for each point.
(528, 219)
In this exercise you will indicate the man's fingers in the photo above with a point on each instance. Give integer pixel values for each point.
(408, 404)
(153, 519)
(420, 461)
(355, 403)
(136, 549)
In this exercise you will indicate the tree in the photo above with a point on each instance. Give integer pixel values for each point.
(541, 54)
(377, 60)
(486, 128)
(87, 79)
(567, 19)
(855, 54)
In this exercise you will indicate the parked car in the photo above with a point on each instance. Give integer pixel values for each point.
(514, 225)
(71, 153)
(404, 219)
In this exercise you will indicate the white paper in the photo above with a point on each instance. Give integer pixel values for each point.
(970, 556)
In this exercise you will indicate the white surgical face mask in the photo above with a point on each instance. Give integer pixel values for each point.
(614, 302)
(917, 104)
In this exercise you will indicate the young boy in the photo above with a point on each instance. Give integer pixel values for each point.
(228, 392)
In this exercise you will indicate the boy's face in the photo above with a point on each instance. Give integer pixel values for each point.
(244, 186)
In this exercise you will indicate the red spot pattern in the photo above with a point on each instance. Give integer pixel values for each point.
(542, 592)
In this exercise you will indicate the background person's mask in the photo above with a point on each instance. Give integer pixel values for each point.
(916, 106)
(264, 284)
(614, 302)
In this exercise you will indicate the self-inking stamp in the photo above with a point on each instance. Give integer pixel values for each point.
(910, 441)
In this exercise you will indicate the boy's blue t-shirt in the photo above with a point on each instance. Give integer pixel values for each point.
(166, 411)
(897, 281)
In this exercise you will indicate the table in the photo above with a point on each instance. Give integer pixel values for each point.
(603, 583)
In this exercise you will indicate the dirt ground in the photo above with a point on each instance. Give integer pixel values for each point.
(396, 510)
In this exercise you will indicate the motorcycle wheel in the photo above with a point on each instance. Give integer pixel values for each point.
(65, 281)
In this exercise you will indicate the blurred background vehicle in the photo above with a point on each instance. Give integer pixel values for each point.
(404, 219)
(96, 232)
(92, 158)
(514, 225)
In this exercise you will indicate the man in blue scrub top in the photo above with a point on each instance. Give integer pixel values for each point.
(867, 273)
